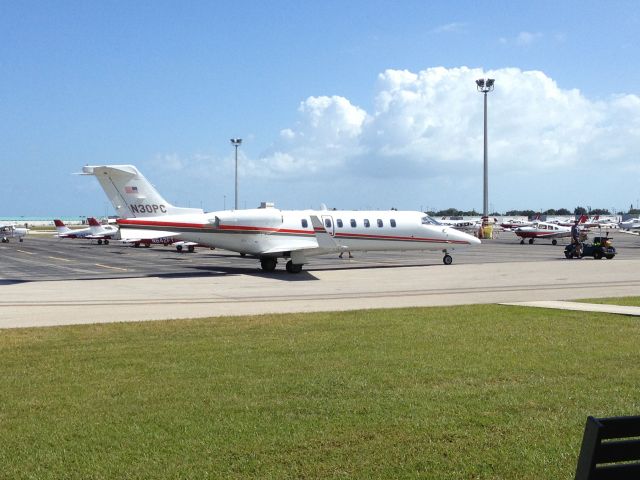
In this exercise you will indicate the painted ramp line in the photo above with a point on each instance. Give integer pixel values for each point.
(580, 307)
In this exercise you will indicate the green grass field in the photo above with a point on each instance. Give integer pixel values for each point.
(476, 392)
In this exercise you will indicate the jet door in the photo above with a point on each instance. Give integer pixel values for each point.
(327, 220)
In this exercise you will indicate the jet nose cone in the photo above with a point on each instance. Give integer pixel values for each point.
(462, 237)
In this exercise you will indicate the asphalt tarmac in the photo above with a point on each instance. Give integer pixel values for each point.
(48, 281)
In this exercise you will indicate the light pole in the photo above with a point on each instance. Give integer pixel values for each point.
(236, 143)
(485, 86)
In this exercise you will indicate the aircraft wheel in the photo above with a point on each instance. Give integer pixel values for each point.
(191, 248)
(22, 240)
(447, 259)
(99, 242)
(268, 264)
(531, 241)
(243, 254)
(179, 248)
(554, 242)
(136, 245)
(106, 242)
(294, 267)
(522, 242)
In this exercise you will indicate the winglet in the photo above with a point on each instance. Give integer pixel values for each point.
(324, 239)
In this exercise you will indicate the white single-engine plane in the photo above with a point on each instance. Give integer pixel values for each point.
(269, 233)
(11, 231)
(553, 231)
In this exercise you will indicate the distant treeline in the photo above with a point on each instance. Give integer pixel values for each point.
(454, 212)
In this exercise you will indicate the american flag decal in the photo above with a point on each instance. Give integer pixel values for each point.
(131, 189)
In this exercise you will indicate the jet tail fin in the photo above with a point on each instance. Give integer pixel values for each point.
(131, 194)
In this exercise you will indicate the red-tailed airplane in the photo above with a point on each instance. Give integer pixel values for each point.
(545, 230)
(95, 231)
(268, 233)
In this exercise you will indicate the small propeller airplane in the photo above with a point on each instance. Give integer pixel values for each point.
(95, 231)
(631, 224)
(512, 224)
(165, 241)
(11, 231)
(539, 229)
(268, 233)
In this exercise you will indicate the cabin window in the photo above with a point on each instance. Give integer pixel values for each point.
(353, 223)
(305, 224)
(366, 223)
(339, 223)
(327, 222)
(380, 223)
(392, 222)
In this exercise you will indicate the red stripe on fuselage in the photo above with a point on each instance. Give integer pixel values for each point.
(252, 229)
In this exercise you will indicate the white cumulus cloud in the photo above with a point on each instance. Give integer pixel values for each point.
(431, 123)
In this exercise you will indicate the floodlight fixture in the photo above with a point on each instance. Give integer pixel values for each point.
(485, 86)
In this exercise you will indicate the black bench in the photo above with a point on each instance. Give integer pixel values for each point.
(609, 451)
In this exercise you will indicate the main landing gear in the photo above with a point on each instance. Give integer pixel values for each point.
(269, 264)
(294, 267)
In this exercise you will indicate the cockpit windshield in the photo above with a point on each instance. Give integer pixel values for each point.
(427, 220)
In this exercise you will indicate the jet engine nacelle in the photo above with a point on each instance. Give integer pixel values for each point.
(257, 217)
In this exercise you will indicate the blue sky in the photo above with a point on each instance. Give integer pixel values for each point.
(359, 104)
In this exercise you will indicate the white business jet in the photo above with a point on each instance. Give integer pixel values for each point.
(11, 231)
(269, 233)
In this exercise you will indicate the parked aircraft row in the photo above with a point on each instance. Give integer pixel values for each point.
(268, 233)
(106, 233)
(95, 231)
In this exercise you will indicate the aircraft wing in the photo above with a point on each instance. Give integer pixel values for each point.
(321, 242)
(138, 234)
(285, 248)
(97, 237)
